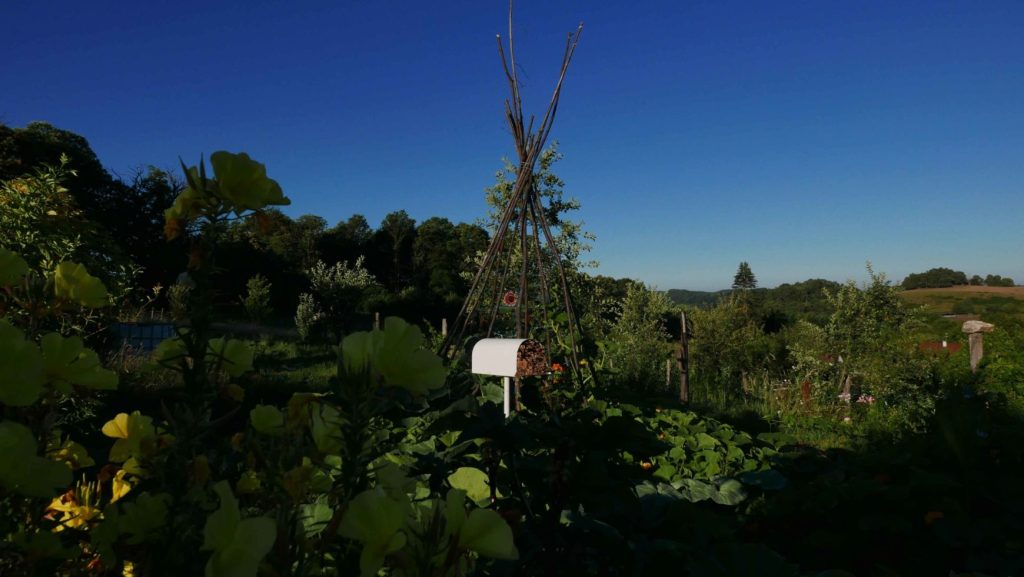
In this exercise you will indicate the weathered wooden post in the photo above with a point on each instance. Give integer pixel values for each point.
(376, 321)
(444, 327)
(975, 335)
(684, 360)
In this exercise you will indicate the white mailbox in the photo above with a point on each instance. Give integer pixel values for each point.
(508, 358)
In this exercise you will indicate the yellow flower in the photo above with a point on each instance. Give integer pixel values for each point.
(76, 506)
(132, 432)
(121, 486)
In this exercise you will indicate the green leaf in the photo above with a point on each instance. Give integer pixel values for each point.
(221, 524)
(22, 470)
(487, 533)
(473, 482)
(730, 492)
(706, 441)
(12, 267)
(455, 511)
(376, 520)
(694, 490)
(21, 365)
(325, 426)
(71, 282)
(144, 516)
(68, 452)
(394, 355)
(236, 356)
(170, 352)
(238, 544)
(315, 518)
(267, 419)
(67, 362)
(243, 182)
(130, 431)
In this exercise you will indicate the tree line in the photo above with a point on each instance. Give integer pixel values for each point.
(120, 220)
(942, 277)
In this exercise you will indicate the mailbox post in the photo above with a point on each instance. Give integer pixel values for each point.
(508, 358)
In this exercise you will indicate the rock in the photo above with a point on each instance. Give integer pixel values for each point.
(977, 327)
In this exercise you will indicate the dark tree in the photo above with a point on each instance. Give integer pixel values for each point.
(935, 278)
(347, 240)
(998, 280)
(744, 279)
(394, 239)
(436, 256)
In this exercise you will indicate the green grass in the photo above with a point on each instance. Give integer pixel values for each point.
(289, 366)
(983, 302)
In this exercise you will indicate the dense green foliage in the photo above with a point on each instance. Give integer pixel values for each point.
(935, 278)
(945, 277)
(821, 439)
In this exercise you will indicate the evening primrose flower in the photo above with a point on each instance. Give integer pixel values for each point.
(77, 507)
(120, 486)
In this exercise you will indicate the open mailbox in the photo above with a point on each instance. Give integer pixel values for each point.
(509, 358)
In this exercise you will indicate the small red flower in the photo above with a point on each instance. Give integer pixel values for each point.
(509, 299)
(557, 368)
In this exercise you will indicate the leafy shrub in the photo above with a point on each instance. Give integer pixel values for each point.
(637, 347)
(308, 318)
(177, 300)
(257, 298)
(338, 291)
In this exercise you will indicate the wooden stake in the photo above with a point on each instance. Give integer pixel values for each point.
(684, 361)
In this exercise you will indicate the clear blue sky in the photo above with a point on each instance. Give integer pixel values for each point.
(803, 137)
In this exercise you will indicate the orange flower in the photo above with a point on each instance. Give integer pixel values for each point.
(932, 516)
(557, 368)
(646, 465)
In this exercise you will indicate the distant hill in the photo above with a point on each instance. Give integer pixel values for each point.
(784, 303)
(695, 298)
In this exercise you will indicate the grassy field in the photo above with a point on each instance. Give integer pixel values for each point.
(970, 302)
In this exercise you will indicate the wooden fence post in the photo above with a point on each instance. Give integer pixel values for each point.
(684, 361)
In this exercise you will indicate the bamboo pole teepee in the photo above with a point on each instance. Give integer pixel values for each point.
(523, 238)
